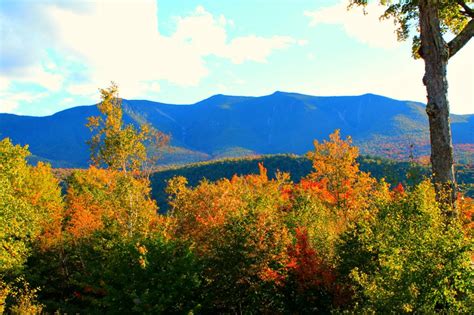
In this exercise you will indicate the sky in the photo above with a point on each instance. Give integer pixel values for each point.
(56, 54)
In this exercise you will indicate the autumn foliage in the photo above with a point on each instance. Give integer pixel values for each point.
(98, 198)
(337, 241)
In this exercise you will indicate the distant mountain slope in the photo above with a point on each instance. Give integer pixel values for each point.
(234, 126)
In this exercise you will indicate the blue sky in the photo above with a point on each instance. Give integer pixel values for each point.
(55, 54)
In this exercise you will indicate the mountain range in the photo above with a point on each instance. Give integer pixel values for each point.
(228, 126)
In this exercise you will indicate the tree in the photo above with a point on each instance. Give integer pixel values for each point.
(29, 198)
(99, 199)
(119, 146)
(238, 230)
(407, 259)
(337, 175)
(433, 19)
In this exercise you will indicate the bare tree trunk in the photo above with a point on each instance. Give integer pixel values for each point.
(435, 52)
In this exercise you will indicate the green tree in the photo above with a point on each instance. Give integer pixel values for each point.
(119, 146)
(151, 276)
(29, 197)
(406, 259)
(432, 19)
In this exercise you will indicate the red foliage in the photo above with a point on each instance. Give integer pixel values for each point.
(286, 192)
(271, 275)
(312, 272)
(399, 189)
(309, 269)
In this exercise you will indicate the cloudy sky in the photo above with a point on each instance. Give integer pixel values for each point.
(55, 54)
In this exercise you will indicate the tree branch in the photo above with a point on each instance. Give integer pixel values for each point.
(467, 10)
(461, 39)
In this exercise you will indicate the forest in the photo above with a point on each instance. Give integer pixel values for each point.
(328, 233)
(335, 240)
(394, 172)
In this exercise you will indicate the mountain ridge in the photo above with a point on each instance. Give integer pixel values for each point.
(226, 125)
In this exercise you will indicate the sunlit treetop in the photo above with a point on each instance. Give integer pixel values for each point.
(119, 146)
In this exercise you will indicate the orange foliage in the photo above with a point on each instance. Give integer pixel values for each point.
(85, 216)
(97, 198)
(201, 211)
(337, 177)
(319, 189)
(399, 189)
(270, 275)
(398, 192)
(44, 193)
(466, 212)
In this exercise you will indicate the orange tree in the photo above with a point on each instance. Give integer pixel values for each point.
(269, 244)
(237, 228)
(337, 177)
(98, 199)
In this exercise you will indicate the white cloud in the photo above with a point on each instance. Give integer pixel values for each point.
(461, 80)
(89, 90)
(366, 28)
(254, 48)
(120, 41)
(52, 81)
(8, 106)
(401, 78)
(11, 101)
(4, 84)
(207, 35)
(302, 42)
(154, 86)
(26, 35)
(68, 101)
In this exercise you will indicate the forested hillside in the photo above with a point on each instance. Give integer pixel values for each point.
(337, 240)
(230, 196)
(231, 126)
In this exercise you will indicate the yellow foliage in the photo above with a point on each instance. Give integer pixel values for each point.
(97, 198)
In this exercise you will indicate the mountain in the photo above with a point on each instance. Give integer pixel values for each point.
(223, 126)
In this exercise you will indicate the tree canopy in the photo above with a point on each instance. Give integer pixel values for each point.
(119, 146)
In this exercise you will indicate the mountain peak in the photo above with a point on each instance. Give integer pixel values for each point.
(281, 122)
(286, 94)
(283, 93)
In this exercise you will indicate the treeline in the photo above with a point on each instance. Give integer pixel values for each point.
(393, 172)
(338, 240)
